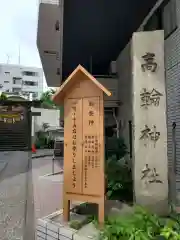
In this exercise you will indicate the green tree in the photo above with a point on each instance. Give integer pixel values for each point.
(46, 99)
(3, 97)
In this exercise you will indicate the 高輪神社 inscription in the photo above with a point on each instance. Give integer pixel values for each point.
(150, 64)
(150, 175)
(149, 98)
(149, 121)
(150, 134)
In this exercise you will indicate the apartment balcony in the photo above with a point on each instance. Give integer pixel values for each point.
(49, 39)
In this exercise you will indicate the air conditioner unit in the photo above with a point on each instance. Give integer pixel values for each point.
(113, 68)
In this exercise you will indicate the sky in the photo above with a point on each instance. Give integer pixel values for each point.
(18, 24)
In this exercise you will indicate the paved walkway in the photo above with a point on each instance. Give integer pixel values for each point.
(42, 153)
(26, 193)
(4, 159)
(13, 196)
(47, 189)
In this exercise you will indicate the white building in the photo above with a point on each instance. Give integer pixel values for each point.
(17, 79)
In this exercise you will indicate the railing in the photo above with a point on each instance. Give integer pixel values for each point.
(105, 76)
(55, 2)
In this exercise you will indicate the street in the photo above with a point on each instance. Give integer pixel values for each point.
(13, 194)
(47, 189)
(26, 193)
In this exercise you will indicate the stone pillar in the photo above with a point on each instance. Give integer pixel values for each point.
(149, 121)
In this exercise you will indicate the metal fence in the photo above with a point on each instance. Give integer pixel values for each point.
(173, 169)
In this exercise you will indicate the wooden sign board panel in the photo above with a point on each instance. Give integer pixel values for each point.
(83, 140)
(73, 146)
(92, 174)
(84, 143)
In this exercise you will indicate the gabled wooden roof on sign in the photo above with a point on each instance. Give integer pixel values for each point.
(60, 94)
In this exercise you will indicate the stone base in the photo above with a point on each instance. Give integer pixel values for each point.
(52, 227)
(159, 207)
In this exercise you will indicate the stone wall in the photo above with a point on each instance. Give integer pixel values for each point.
(124, 70)
(172, 70)
(149, 122)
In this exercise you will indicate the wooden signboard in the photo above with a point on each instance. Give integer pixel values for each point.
(82, 96)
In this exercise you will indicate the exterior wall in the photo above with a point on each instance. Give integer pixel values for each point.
(112, 85)
(49, 116)
(50, 39)
(8, 71)
(172, 70)
(124, 69)
(172, 63)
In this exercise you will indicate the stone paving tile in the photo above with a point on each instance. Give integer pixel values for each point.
(12, 207)
(47, 193)
(13, 195)
(41, 152)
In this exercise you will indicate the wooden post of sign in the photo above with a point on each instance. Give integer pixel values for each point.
(83, 99)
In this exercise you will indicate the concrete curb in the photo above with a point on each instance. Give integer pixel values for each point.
(42, 155)
(48, 228)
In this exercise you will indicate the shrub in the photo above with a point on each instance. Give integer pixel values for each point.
(3, 97)
(140, 225)
(119, 183)
(41, 140)
(115, 146)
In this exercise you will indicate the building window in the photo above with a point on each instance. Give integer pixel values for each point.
(57, 26)
(30, 83)
(7, 73)
(6, 81)
(58, 71)
(155, 22)
(164, 18)
(29, 73)
(16, 90)
(35, 95)
(25, 93)
(17, 80)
